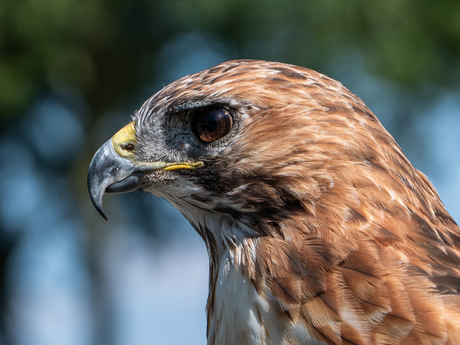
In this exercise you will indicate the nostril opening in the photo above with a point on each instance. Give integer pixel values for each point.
(127, 147)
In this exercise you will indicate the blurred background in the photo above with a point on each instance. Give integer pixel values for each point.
(71, 74)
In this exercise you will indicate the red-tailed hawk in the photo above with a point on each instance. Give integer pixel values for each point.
(318, 228)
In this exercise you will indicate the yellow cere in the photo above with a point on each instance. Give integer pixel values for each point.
(124, 136)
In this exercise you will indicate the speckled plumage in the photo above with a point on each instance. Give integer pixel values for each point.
(318, 228)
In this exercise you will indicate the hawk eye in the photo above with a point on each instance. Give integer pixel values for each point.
(212, 123)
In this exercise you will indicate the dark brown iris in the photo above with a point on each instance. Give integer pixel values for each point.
(212, 123)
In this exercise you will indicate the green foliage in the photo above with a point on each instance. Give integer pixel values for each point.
(106, 49)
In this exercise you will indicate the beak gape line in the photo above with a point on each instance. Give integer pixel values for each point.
(114, 169)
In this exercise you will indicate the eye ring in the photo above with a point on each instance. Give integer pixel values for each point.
(212, 123)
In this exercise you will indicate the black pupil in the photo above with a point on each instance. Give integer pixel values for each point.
(212, 123)
(209, 124)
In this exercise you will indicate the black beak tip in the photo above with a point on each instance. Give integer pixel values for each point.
(98, 206)
(96, 193)
(101, 212)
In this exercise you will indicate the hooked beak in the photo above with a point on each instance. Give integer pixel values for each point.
(114, 168)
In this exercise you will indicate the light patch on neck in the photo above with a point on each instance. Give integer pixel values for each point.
(231, 236)
(243, 315)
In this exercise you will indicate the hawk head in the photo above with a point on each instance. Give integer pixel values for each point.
(309, 209)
